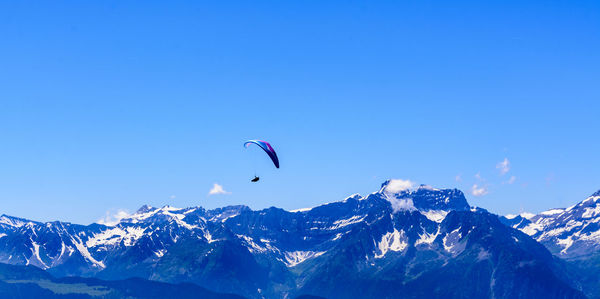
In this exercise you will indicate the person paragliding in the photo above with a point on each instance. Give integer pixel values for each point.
(265, 146)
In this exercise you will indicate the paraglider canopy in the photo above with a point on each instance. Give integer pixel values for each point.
(267, 148)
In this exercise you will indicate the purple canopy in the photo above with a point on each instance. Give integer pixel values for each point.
(267, 148)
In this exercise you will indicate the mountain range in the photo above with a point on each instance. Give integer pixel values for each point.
(392, 243)
(572, 233)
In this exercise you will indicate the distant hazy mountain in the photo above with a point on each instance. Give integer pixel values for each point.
(393, 243)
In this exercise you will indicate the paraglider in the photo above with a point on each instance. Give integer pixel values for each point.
(265, 146)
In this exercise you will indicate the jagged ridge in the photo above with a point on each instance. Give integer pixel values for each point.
(409, 237)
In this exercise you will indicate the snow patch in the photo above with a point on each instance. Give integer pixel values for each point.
(251, 245)
(552, 212)
(208, 236)
(355, 195)
(36, 255)
(566, 243)
(435, 215)
(345, 222)
(427, 238)
(190, 210)
(527, 216)
(592, 236)
(427, 187)
(114, 236)
(532, 228)
(591, 212)
(85, 253)
(394, 241)
(12, 221)
(293, 258)
(591, 198)
(178, 219)
(452, 242)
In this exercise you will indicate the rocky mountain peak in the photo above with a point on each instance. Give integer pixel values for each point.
(424, 197)
(144, 209)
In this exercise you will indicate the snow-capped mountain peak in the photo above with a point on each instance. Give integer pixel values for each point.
(423, 198)
(15, 221)
(571, 232)
(195, 244)
(159, 228)
(145, 209)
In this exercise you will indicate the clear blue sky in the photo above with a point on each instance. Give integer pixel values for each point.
(109, 105)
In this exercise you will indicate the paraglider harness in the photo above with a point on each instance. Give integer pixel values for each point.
(255, 179)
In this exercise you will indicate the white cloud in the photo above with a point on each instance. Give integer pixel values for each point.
(477, 190)
(404, 204)
(172, 197)
(503, 166)
(217, 189)
(113, 219)
(511, 180)
(458, 178)
(397, 185)
(394, 187)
